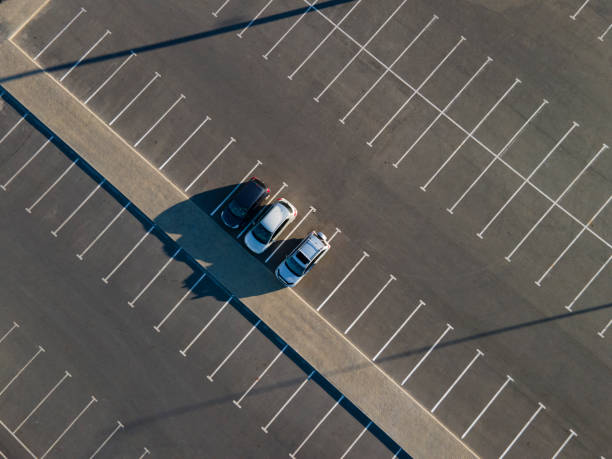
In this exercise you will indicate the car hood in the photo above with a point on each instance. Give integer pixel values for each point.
(230, 219)
(253, 244)
(286, 275)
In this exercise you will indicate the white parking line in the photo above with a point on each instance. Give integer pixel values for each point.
(602, 333)
(386, 70)
(365, 429)
(605, 32)
(254, 219)
(449, 327)
(46, 142)
(503, 386)
(359, 51)
(216, 13)
(211, 376)
(292, 455)
(82, 254)
(218, 155)
(157, 75)
(325, 38)
(540, 408)
(145, 288)
(443, 111)
(291, 397)
(174, 308)
(571, 305)
(418, 306)
(239, 34)
(73, 213)
(397, 453)
(81, 11)
(92, 401)
(336, 232)
(573, 16)
(191, 343)
(310, 211)
(363, 257)
(257, 164)
(29, 209)
(40, 349)
(552, 206)
(119, 426)
(18, 440)
(461, 375)
(208, 118)
(237, 402)
(146, 451)
(501, 152)
(19, 121)
(554, 263)
(75, 65)
(93, 94)
(414, 93)
(10, 330)
(470, 134)
(564, 444)
(43, 400)
(181, 97)
(297, 21)
(391, 279)
(533, 172)
(140, 241)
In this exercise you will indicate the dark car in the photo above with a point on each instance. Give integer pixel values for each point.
(248, 197)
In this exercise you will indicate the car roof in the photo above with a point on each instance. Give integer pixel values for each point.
(277, 214)
(250, 192)
(311, 246)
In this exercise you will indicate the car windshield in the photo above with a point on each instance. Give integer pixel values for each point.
(261, 234)
(296, 268)
(236, 209)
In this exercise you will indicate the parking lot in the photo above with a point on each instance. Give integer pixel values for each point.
(465, 189)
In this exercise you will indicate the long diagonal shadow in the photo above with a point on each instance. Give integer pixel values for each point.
(179, 40)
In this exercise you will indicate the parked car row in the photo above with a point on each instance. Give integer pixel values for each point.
(266, 227)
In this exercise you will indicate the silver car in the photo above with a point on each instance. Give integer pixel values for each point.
(308, 253)
(271, 223)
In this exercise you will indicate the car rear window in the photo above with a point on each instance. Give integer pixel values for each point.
(303, 258)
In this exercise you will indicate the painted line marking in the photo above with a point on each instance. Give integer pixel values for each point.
(291, 397)
(391, 279)
(470, 134)
(146, 451)
(386, 70)
(564, 444)
(571, 305)
(540, 408)
(310, 211)
(29, 209)
(175, 307)
(363, 257)
(503, 386)
(237, 402)
(336, 232)
(461, 375)
(129, 104)
(297, 21)
(73, 213)
(93, 94)
(216, 13)
(292, 455)
(261, 211)
(365, 429)
(418, 306)
(239, 34)
(359, 51)
(602, 333)
(533, 172)
(41, 148)
(605, 32)
(82, 254)
(119, 426)
(325, 38)
(397, 453)
(22, 444)
(257, 164)
(81, 11)
(75, 65)
(43, 400)
(140, 241)
(211, 376)
(145, 288)
(539, 281)
(495, 158)
(192, 342)
(181, 97)
(552, 206)
(443, 111)
(449, 327)
(212, 161)
(40, 349)
(91, 401)
(573, 16)
(414, 93)
(19, 121)
(10, 330)
(208, 118)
